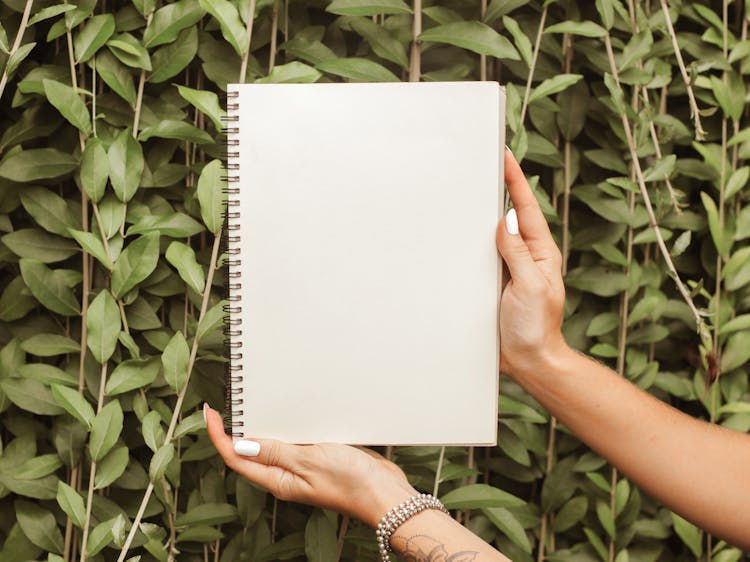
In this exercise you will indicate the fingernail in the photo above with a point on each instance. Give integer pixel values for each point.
(247, 448)
(508, 149)
(205, 407)
(511, 222)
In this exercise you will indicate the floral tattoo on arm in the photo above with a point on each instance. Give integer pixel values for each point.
(423, 548)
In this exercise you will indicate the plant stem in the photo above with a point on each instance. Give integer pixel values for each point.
(92, 471)
(694, 111)
(249, 31)
(274, 32)
(180, 395)
(342, 535)
(537, 43)
(684, 292)
(415, 56)
(441, 458)
(17, 43)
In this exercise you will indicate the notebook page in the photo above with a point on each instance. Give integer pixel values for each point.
(369, 270)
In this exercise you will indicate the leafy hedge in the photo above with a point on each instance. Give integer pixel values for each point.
(631, 126)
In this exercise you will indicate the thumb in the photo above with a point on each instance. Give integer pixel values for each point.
(514, 250)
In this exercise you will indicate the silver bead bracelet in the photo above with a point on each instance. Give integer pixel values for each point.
(396, 516)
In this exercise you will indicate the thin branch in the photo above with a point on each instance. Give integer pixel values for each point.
(17, 43)
(249, 32)
(537, 42)
(439, 469)
(700, 324)
(694, 111)
(180, 395)
(415, 56)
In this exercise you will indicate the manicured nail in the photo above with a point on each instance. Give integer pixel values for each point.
(508, 149)
(511, 222)
(205, 408)
(247, 448)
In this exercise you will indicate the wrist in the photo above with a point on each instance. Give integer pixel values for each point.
(383, 499)
(544, 362)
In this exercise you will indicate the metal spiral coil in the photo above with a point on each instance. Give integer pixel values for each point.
(231, 239)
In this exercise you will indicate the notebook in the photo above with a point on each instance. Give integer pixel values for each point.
(364, 280)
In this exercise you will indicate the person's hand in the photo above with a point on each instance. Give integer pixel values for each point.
(356, 481)
(532, 302)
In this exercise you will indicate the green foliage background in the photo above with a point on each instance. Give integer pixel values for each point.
(110, 215)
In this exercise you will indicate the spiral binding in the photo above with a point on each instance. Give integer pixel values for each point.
(232, 321)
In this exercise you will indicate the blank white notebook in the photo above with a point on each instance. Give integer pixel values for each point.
(364, 277)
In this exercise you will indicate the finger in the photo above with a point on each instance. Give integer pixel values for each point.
(533, 226)
(515, 251)
(259, 473)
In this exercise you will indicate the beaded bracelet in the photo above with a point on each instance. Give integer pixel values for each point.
(396, 516)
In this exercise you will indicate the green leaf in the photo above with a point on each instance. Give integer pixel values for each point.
(582, 28)
(689, 534)
(153, 433)
(358, 70)
(213, 319)
(39, 245)
(105, 430)
(129, 51)
(231, 26)
(606, 12)
(100, 536)
(49, 210)
(159, 462)
(290, 73)
(205, 101)
(737, 181)
(169, 20)
(49, 345)
(519, 37)
(125, 157)
(211, 196)
(172, 129)
(207, 514)
(92, 36)
(36, 164)
(132, 374)
(570, 514)
(18, 57)
(94, 169)
(91, 243)
(381, 41)
(173, 58)
(737, 270)
(39, 526)
(103, 323)
(661, 170)
(176, 225)
(509, 526)
(69, 104)
(604, 513)
(71, 503)
(474, 36)
(554, 85)
(135, 263)
(16, 300)
(50, 12)
(367, 7)
(182, 257)
(111, 467)
(737, 351)
(321, 544)
(175, 360)
(49, 288)
(475, 496)
(116, 76)
(74, 403)
(722, 242)
(191, 424)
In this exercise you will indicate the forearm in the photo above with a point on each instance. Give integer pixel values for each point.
(697, 469)
(432, 535)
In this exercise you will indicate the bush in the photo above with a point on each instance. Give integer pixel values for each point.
(110, 150)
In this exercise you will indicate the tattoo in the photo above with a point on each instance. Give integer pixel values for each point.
(422, 548)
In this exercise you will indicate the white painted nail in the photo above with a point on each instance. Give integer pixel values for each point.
(511, 222)
(247, 448)
(205, 407)
(508, 149)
